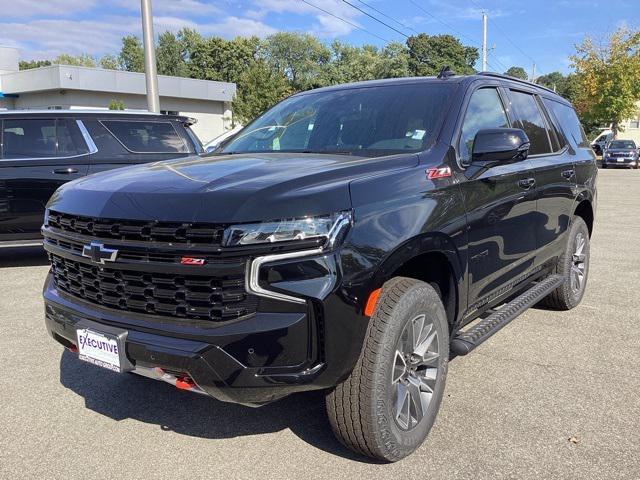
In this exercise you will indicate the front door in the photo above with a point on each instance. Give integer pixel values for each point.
(500, 205)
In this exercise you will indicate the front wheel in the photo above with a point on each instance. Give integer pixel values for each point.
(388, 404)
(573, 265)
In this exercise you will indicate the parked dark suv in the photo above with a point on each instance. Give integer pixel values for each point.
(41, 150)
(344, 241)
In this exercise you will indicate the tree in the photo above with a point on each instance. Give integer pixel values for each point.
(131, 57)
(298, 56)
(429, 53)
(27, 65)
(607, 86)
(517, 72)
(83, 60)
(259, 88)
(394, 61)
(563, 85)
(215, 58)
(109, 62)
(169, 56)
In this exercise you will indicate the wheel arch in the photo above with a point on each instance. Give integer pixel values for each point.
(584, 210)
(432, 258)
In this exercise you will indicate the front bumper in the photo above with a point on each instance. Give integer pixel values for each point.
(251, 362)
(626, 162)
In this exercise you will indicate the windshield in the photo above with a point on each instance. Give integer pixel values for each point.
(622, 144)
(370, 121)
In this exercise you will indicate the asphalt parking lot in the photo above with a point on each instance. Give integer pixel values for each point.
(553, 395)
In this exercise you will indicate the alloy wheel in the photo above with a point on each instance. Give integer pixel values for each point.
(578, 263)
(415, 371)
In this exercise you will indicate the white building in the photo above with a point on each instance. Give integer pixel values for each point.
(67, 87)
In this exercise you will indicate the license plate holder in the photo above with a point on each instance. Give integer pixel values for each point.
(103, 346)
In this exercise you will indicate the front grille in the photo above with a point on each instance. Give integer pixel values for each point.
(176, 295)
(145, 231)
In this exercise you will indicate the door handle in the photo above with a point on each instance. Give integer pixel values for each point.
(568, 174)
(526, 183)
(65, 171)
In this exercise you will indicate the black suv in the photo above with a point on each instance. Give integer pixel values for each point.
(41, 150)
(345, 241)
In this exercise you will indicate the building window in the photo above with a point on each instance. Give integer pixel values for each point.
(634, 123)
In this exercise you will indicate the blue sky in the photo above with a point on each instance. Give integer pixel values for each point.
(521, 31)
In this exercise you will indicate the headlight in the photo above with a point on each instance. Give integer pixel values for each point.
(287, 230)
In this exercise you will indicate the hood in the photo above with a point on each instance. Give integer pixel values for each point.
(223, 188)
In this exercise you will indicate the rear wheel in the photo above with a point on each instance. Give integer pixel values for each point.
(573, 265)
(388, 404)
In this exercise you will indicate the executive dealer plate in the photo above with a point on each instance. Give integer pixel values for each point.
(99, 349)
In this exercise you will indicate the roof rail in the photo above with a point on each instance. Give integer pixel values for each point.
(515, 79)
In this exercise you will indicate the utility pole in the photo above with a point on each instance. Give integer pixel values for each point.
(484, 42)
(533, 73)
(150, 72)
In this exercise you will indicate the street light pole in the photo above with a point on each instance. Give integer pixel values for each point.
(151, 74)
(484, 42)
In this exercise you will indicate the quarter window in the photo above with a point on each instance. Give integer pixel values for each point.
(29, 138)
(569, 123)
(146, 137)
(529, 118)
(485, 110)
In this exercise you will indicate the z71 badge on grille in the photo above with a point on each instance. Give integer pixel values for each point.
(99, 253)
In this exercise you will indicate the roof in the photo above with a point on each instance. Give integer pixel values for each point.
(64, 77)
(452, 79)
(89, 112)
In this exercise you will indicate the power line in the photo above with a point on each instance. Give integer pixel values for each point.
(388, 16)
(345, 21)
(376, 19)
(419, 7)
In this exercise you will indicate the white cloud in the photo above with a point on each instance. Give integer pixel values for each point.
(172, 7)
(50, 8)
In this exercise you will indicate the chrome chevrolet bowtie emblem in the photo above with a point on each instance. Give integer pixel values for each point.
(99, 253)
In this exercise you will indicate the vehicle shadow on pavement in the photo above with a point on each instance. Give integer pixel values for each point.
(23, 257)
(132, 397)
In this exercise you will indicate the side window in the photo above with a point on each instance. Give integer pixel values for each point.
(530, 120)
(29, 138)
(70, 140)
(569, 123)
(141, 136)
(485, 110)
(106, 143)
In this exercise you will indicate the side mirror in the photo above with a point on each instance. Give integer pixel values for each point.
(500, 145)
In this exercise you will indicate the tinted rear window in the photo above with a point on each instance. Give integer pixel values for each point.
(141, 136)
(622, 144)
(568, 122)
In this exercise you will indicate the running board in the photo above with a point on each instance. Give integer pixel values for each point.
(466, 341)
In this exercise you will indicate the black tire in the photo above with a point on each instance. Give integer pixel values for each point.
(361, 410)
(604, 165)
(566, 297)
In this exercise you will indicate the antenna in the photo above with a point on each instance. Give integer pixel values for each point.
(445, 72)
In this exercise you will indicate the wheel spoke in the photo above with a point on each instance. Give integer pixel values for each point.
(418, 408)
(403, 406)
(399, 367)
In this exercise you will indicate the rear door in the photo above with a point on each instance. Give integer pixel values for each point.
(121, 141)
(554, 172)
(500, 205)
(38, 156)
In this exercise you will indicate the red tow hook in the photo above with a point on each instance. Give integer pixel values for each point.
(73, 349)
(184, 383)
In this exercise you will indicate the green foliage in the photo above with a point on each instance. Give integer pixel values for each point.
(429, 53)
(169, 56)
(517, 72)
(27, 65)
(607, 86)
(298, 56)
(109, 62)
(131, 57)
(259, 88)
(83, 60)
(116, 105)
(215, 58)
(564, 85)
